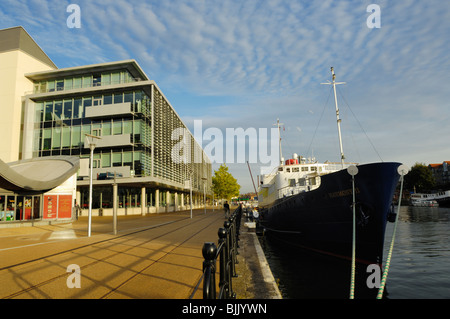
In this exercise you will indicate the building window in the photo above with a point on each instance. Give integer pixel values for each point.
(117, 127)
(127, 158)
(106, 160)
(115, 78)
(87, 81)
(96, 80)
(76, 136)
(77, 109)
(56, 138)
(137, 132)
(118, 98)
(38, 112)
(65, 137)
(60, 85)
(58, 110)
(67, 109)
(77, 82)
(47, 142)
(106, 79)
(127, 127)
(117, 159)
(48, 111)
(87, 102)
(86, 129)
(68, 84)
(96, 131)
(97, 100)
(106, 128)
(51, 86)
(107, 99)
(138, 101)
(128, 97)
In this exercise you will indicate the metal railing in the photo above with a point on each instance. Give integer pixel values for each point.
(90, 84)
(227, 250)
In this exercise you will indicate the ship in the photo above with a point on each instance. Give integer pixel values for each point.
(310, 205)
(441, 198)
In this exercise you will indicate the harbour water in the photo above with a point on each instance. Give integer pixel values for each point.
(419, 266)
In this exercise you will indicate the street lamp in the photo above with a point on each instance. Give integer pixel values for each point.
(190, 188)
(204, 192)
(92, 142)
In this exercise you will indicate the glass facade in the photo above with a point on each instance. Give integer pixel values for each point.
(15, 207)
(84, 81)
(61, 124)
(135, 122)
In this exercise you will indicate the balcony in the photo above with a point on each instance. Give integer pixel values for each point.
(108, 110)
(61, 86)
(112, 141)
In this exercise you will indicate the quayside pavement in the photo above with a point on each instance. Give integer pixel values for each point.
(155, 256)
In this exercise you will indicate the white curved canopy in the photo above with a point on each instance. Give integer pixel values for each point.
(38, 174)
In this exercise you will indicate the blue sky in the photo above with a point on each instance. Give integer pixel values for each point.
(246, 63)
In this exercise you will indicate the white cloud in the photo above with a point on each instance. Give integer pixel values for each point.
(271, 58)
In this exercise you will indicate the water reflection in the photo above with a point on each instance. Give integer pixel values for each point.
(421, 256)
(303, 274)
(419, 265)
(424, 214)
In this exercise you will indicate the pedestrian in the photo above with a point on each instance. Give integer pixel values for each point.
(226, 207)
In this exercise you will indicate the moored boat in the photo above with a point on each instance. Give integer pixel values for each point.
(310, 205)
(441, 198)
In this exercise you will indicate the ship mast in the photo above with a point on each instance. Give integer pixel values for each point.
(278, 124)
(334, 83)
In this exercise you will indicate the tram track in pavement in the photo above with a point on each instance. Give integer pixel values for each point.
(200, 223)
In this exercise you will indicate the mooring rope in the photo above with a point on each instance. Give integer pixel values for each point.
(352, 280)
(388, 260)
(353, 170)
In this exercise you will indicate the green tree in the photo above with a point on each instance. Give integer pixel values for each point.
(224, 185)
(420, 177)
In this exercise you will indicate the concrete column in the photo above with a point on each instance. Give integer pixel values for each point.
(167, 200)
(157, 200)
(182, 201)
(115, 204)
(176, 202)
(143, 201)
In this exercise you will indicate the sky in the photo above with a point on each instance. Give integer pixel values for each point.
(245, 64)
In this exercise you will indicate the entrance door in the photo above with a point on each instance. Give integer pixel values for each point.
(2, 208)
(28, 207)
(10, 207)
(19, 208)
(36, 207)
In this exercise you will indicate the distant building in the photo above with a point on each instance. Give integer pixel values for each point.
(47, 111)
(440, 172)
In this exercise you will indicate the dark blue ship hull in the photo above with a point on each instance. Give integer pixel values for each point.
(322, 219)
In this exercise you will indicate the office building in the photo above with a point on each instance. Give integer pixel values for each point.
(116, 104)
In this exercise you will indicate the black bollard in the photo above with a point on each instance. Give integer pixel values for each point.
(209, 252)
